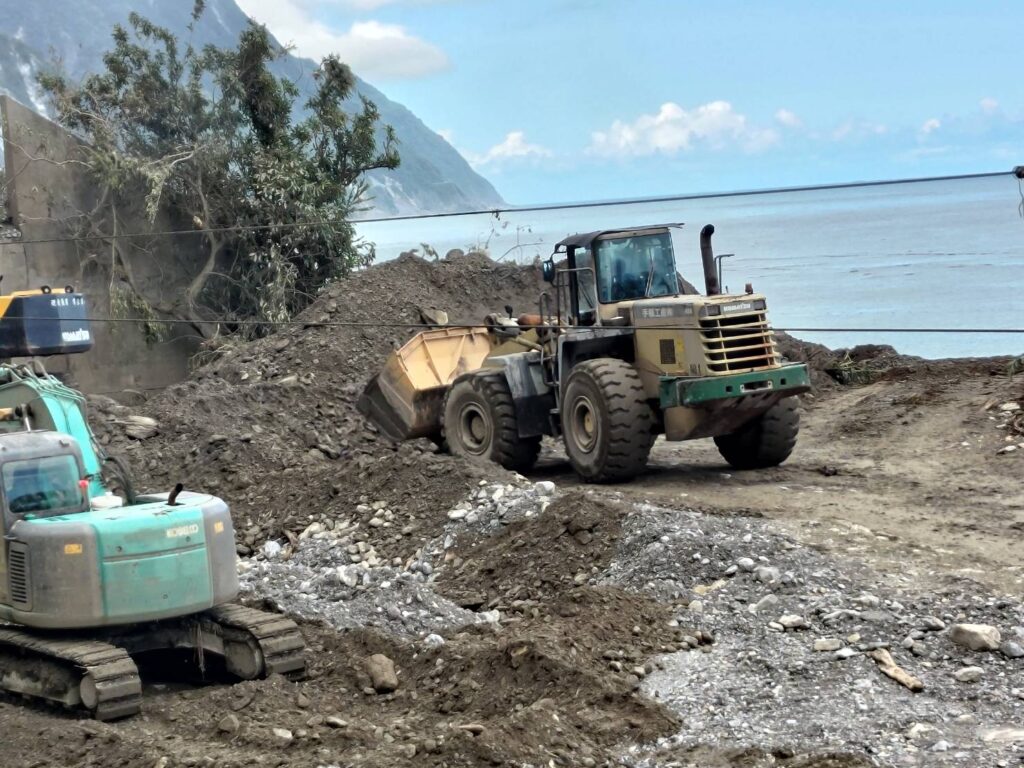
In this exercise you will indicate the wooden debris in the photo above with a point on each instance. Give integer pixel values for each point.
(888, 667)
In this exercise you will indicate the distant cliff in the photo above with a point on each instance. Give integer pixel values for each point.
(433, 176)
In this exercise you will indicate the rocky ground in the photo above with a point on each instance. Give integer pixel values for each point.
(858, 606)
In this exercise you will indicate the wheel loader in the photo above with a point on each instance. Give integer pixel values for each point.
(618, 353)
(89, 577)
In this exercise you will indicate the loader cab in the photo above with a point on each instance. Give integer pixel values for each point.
(603, 269)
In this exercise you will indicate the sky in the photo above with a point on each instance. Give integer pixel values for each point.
(573, 100)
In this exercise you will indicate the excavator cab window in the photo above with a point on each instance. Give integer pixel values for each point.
(42, 487)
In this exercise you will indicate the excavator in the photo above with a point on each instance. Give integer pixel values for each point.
(621, 350)
(92, 574)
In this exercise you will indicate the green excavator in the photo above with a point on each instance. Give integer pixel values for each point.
(91, 573)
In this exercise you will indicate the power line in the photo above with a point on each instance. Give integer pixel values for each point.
(466, 326)
(692, 196)
(498, 211)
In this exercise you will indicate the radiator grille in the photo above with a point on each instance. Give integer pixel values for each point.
(739, 342)
(18, 574)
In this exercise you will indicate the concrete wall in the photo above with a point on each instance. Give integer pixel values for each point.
(48, 191)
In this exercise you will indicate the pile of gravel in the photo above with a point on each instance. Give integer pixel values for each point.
(792, 668)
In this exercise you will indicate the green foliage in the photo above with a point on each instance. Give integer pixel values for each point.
(126, 303)
(215, 138)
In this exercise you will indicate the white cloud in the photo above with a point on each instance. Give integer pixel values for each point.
(931, 125)
(858, 129)
(674, 129)
(513, 147)
(374, 50)
(988, 105)
(788, 119)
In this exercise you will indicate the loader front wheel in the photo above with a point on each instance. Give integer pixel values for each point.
(607, 422)
(765, 441)
(480, 423)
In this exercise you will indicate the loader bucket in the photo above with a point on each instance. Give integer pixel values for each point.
(406, 398)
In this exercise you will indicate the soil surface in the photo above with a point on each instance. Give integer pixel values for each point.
(697, 616)
(904, 472)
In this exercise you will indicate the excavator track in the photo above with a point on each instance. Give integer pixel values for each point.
(94, 675)
(277, 645)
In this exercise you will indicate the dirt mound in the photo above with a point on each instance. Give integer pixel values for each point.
(271, 425)
(537, 558)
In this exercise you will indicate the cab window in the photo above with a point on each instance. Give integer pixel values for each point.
(585, 280)
(636, 267)
(42, 486)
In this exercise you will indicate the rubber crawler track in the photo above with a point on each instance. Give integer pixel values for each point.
(115, 677)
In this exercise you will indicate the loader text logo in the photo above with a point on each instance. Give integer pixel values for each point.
(182, 530)
(743, 306)
(74, 336)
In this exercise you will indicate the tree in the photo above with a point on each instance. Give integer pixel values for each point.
(214, 138)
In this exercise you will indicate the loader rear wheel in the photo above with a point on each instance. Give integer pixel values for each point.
(480, 423)
(607, 423)
(765, 441)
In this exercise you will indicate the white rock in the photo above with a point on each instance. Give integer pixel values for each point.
(544, 487)
(767, 574)
(696, 606)
(768, 601)
(977, 637)
(283, 736)
(969, 674)
(828, 644)
(1002, 735)
(940, 746)
(457, 514)
(844, 653)
(792, 621)
(433, 641)
(746, 564)
(271, 549)
(1010, 407)
(490, 617)
(349, 575)
(920, 732)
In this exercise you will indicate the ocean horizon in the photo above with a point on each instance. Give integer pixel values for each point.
(922, 254)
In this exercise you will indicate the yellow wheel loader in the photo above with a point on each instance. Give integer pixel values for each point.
(617, 354)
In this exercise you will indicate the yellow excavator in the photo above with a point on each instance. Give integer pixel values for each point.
(617, 354)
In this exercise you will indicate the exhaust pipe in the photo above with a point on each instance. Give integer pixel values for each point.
(708, 257)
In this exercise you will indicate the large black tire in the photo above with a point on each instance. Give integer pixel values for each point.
(765, 441)
(480, 423)
(607, 423)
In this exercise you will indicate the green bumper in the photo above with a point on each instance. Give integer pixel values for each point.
(694, 393)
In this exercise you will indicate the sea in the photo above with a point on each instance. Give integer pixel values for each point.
(921, 254)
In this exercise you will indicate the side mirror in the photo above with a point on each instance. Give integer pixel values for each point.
(548, 270)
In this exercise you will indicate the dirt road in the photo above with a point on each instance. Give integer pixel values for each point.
(903, 473)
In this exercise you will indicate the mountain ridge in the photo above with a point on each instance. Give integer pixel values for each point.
(433, 176)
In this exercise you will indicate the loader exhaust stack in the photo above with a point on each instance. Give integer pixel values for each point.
(707, 256)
